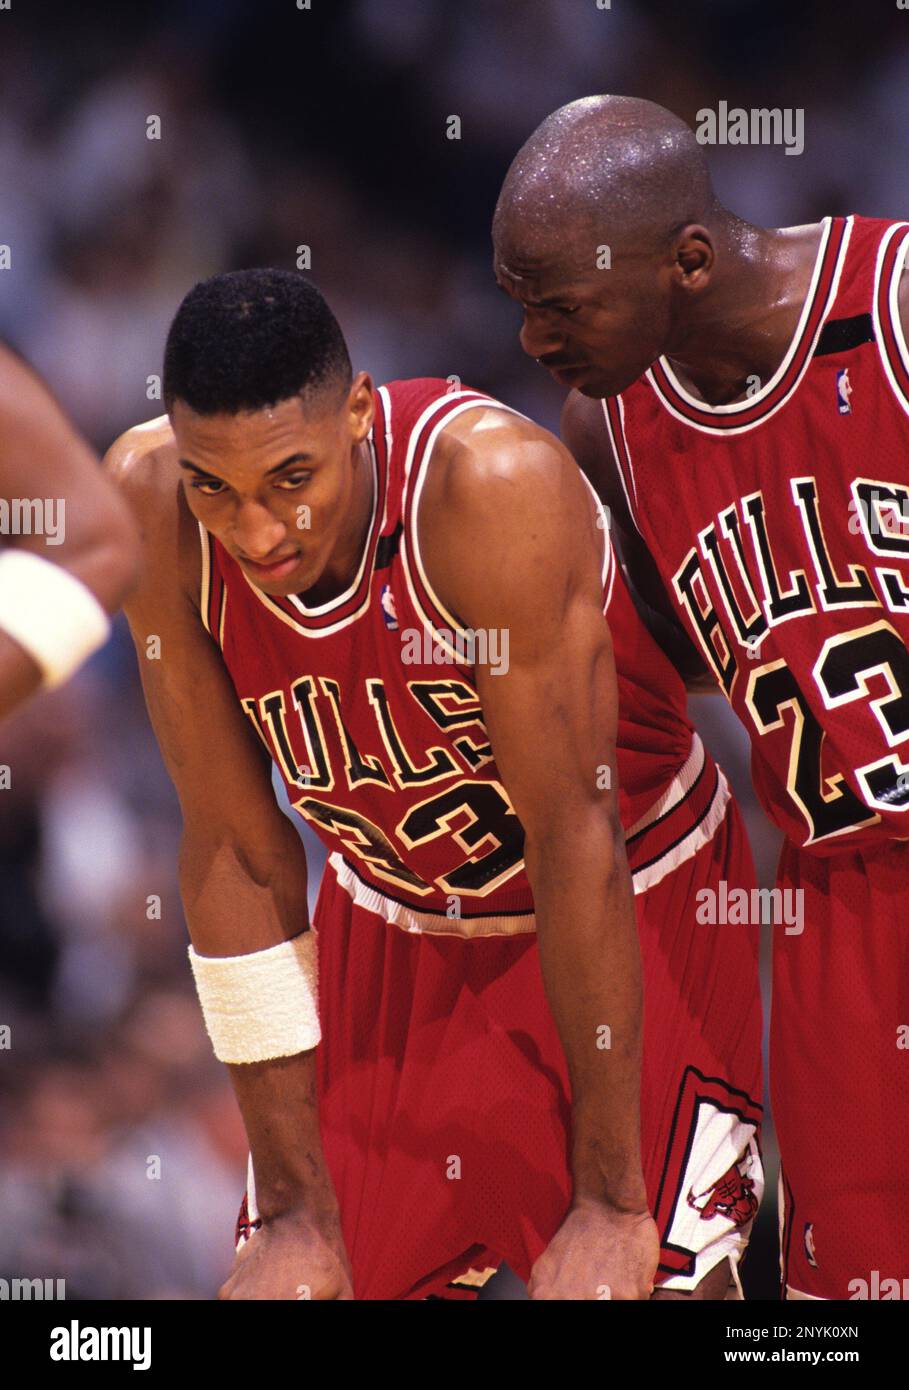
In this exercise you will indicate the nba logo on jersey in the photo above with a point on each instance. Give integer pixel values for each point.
(843, 392)
(809, 1244)
(388, 609)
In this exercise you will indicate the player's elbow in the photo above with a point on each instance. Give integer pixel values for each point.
(584, 837)
(106, 556)
(223, 867)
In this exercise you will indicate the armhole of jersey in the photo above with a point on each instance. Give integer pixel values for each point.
(615, 429)
(205, 587)
(888, 330)
(607, 566)
(212, 591)
(433, 612)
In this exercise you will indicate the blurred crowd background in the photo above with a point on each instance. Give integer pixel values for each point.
(284, 127)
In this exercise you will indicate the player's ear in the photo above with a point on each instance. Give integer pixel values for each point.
(361, 406)
(694, 257)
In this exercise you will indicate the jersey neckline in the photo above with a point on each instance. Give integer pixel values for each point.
(719, 419)
(325, 618)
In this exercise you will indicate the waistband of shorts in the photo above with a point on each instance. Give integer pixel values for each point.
(420, 921)
(683, 818)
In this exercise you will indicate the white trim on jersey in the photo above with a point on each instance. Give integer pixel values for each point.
(417, 477)
(737, 407)
(420, 922)
(322, 608)
(632, 506)
(369, 549)
(385, 394)
(205, 586)
(700, 835)
(607, 567)
(893, 307)
(678, 788)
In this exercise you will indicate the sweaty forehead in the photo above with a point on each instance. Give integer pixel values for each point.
(249, 438)
(527, 247)
(536, 277)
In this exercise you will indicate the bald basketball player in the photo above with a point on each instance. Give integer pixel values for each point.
(69, 546)
(740, 398)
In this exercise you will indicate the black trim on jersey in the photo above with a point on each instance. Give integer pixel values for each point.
(743, 415)
(431, 911)
(672, 809)
(388, 547)
(691, 826)
(842, 335)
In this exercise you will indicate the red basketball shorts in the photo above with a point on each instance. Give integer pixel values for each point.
(443, 1089)
(839, 1072)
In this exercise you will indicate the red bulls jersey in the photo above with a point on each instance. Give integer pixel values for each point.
(780, 525)
(368, 706)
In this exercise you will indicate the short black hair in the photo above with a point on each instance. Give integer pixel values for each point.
(251, 338)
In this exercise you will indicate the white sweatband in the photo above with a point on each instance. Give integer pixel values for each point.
(50, 613)
(262, 1005)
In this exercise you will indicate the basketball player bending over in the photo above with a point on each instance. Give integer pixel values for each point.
(396, 596)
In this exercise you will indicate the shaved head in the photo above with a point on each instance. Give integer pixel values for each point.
(604, 163)
(605, 230)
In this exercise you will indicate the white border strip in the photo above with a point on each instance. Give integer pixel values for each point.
(422, 923)
(893, 308)
(632, 506)
(695, 840)
(410, 538)
(678, 788)
(739, 406)
(205, 586)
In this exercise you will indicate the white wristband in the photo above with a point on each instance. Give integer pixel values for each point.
(262, 1005)
(50, 613)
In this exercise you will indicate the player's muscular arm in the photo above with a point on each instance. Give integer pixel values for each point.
(584, 434)
(509, 540)
(242, 871)
(42, 457)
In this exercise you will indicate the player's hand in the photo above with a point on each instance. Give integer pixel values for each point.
(598, 1253)
(291, 1256)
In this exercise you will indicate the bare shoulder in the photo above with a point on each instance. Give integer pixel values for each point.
(143, 465)
(143, 462)
(490, 459)
(506, 525)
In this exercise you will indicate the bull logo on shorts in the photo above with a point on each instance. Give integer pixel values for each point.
(731, 1196)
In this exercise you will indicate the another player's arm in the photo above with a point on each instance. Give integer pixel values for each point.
(509, 540)
(95, 542)
(584, 435)
(242, 873)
